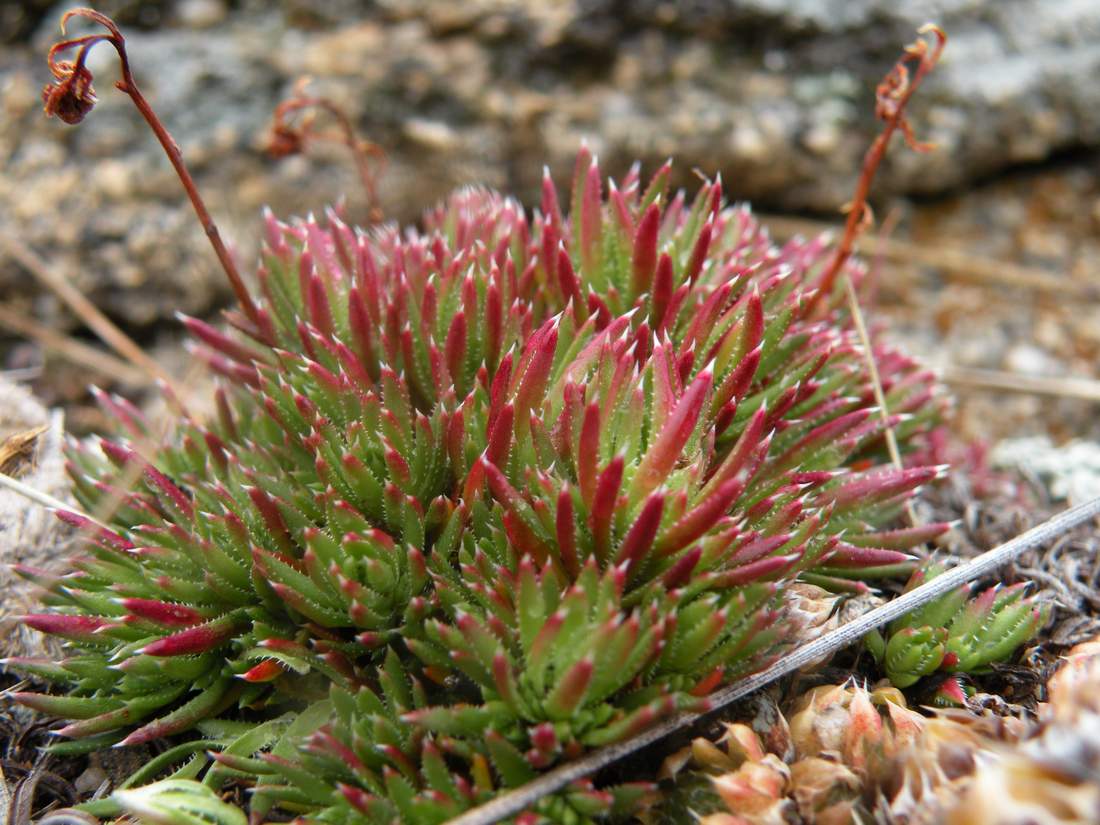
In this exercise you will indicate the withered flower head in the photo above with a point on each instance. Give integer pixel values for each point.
(283, 141)
(893, 93)
(290, 130)
(71, 96)
(293, 125)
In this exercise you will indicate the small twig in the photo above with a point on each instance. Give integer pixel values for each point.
(290, 139)
(71, 349)
(1084, 389)
(1051, 581)
(84, 309)
(71, 97)
(1072, 588)
(523, 797)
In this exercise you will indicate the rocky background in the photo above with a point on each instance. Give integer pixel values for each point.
(776, 95)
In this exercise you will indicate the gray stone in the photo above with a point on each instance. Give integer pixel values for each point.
(777, 96)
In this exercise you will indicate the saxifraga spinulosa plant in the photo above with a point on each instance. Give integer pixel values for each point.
(480, 496)
(956, 633)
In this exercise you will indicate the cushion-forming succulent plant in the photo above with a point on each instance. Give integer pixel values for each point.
(480, 496)
(557, 473)
(956, 633)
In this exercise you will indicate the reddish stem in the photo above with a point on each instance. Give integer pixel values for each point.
(892, 96)
(361, 150)
(171, 149)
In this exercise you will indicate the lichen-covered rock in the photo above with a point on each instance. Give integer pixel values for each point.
(771, 94)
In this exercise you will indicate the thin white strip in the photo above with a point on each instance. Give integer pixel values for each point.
(45, 499)
(519, 799)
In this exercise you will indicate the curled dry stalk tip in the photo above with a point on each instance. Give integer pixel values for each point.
(287, 137)
(70, 97)
(892, 95)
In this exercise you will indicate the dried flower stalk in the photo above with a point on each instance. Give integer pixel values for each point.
(70, 97)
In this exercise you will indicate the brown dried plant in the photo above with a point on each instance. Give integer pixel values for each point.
(891, 97)
(289, 135)
(71, 97)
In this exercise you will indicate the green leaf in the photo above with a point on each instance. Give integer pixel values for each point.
(178, 802)
(510, 764)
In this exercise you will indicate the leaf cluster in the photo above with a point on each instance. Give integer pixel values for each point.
(481, 496)
(957, 633)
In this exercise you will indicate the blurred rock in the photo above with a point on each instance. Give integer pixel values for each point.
(32, 534)
(1038, 217)
(777, 96)
(18, 18)
(1071, 471)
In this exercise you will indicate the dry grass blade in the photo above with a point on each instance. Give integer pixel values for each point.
(513, 802)
(72, 350)
(876, 384)
(96, 321)
(37, 496)
(956, 263)
(1085, 389)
